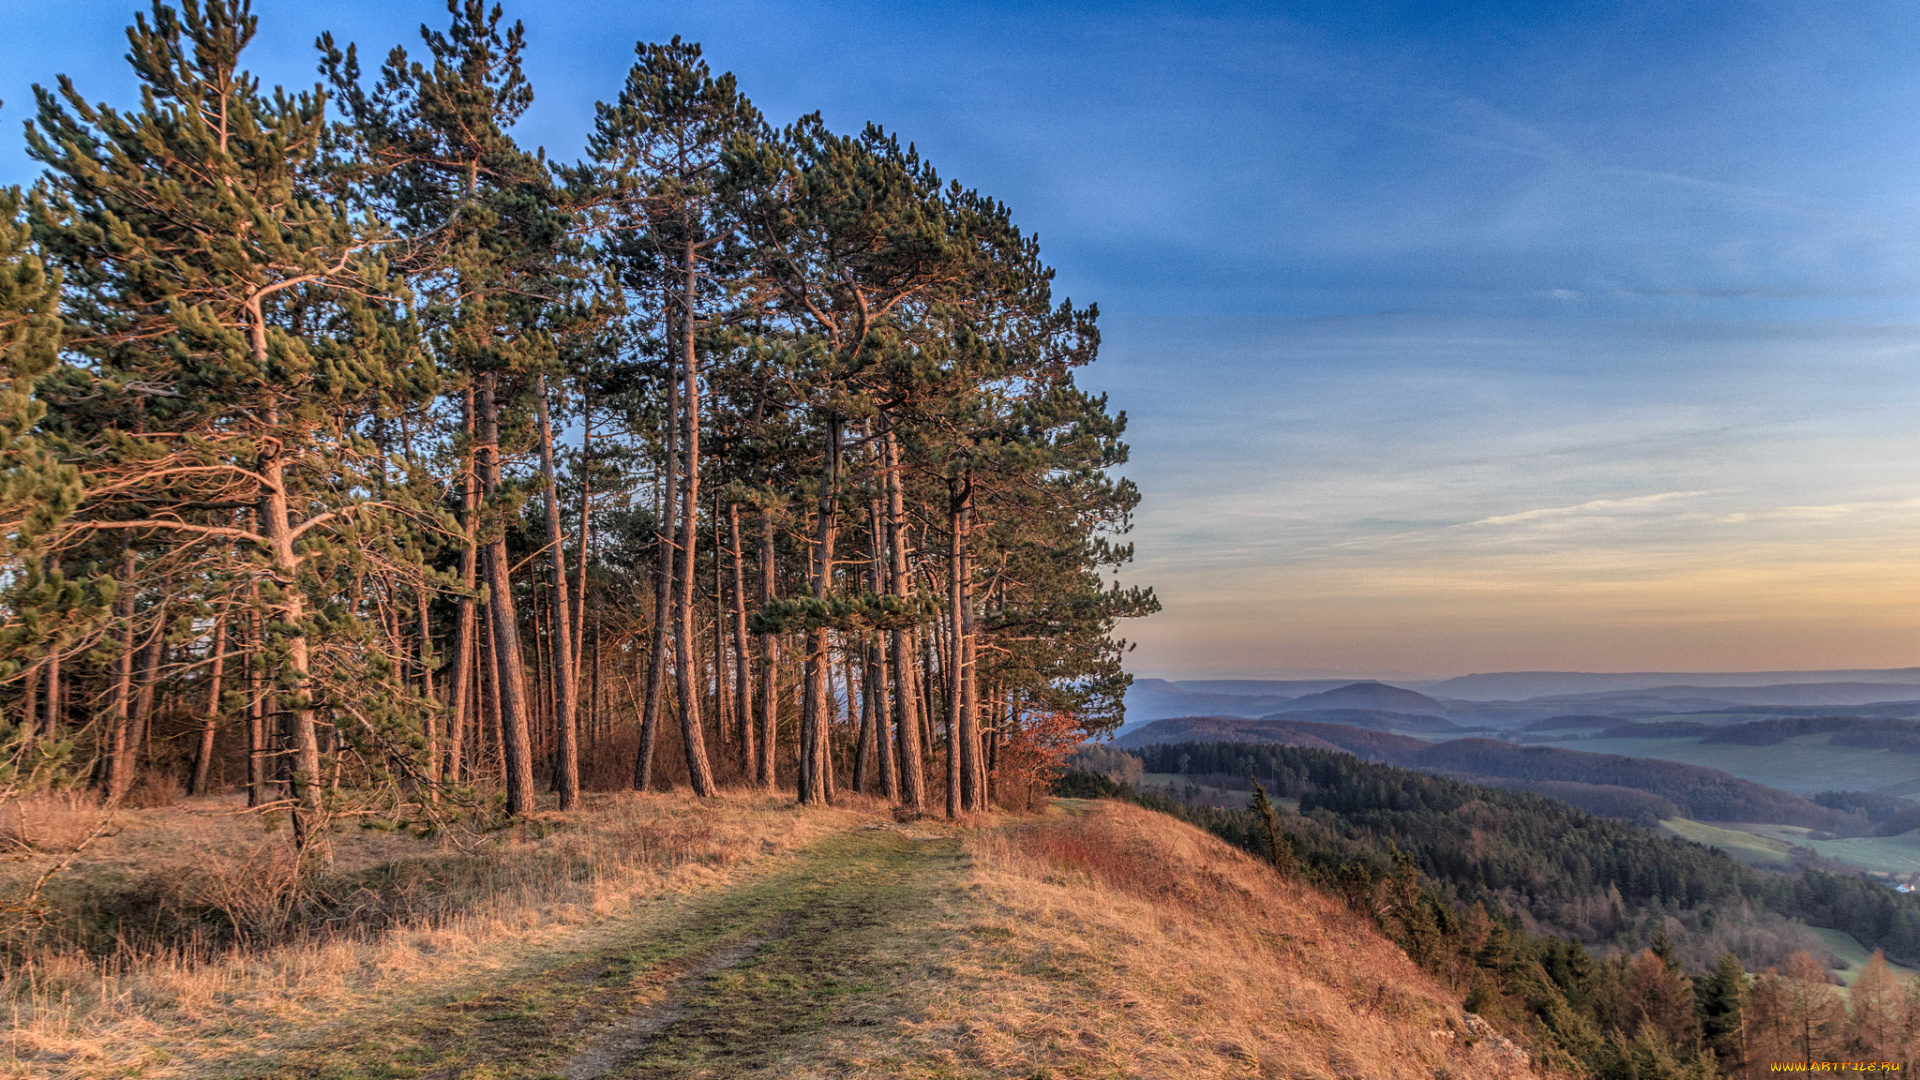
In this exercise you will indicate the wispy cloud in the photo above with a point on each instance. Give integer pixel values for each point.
(1595, 507)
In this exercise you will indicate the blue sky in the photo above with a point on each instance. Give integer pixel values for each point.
(1454, 337)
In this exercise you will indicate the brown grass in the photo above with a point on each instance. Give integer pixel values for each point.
(399, 918)
(1096, 940)
(1118, 942)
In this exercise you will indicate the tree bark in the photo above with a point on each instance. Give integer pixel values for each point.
(119, 766)
(139, 736)
(769, 661)
(566, 708)
(256, 714)
(906, 693)
(586, 517)
(815, 749)
(743, 672)
(699, 772)
(663, 593)
(203, 760)
(460, 708)
(510, 681)
(876, 684)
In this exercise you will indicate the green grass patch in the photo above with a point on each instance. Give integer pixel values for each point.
(1896, 855)
(1804, 764)
(1768, 853)
(1855, 956)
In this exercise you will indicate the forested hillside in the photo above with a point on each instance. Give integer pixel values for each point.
(364, 460)
(1702, 967)
(1560, 867)
(1641, 789)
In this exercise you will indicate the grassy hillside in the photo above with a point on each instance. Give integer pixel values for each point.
(651, 936)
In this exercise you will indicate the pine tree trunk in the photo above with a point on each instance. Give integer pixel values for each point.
(815, 750)
(906, 692)
(119, 766)
(663, 593)
(426, 657)
(699, 772)
(724, 720)
(743, 671)
(510, 685)
(586, 532)
(973, 756)
(140, 735)
(30, 704)
(876, 668)
(51, 702)
(203, 760)
(256, 712)
(309, 836)
(769, 662)
(566, 709)
(864, 753)
(461, 711)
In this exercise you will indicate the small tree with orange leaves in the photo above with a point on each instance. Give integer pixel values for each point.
(1034, 756)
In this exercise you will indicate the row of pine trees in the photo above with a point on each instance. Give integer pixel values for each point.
(357, 455)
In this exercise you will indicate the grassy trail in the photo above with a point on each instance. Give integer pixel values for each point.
(805, 968)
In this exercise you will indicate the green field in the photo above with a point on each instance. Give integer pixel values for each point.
(1764, 852)
(1855, 956)
(1897, 855)
(1804, 765)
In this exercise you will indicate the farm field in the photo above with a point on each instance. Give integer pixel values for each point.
(1898, 855)
(1804, 765)
(1851, 953)
(1769, 847)
(1764, 852)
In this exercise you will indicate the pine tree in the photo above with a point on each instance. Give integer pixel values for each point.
(1722, 998)
(238, 323)
(37, 493)
(486, 229)
(660, 147)
(1279, 849)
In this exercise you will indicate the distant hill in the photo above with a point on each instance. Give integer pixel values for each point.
(1790, 694)
(1520, 685)
(1258, 687)
(1154, 699)
(1361, 742)
(1706, 794)
(1572, 723)
(1703, 793)
(1378, 720)
(1370, 696)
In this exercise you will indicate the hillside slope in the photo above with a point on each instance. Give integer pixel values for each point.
(1098, 939)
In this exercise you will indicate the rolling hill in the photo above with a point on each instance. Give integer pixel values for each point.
(1601, 783)
(1370, 696)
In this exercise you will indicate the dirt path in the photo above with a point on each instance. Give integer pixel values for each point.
(810, 969)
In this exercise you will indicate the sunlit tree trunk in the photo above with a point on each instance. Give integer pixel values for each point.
(510, 685)
(203, 759)
(566, 779)
(906, 692)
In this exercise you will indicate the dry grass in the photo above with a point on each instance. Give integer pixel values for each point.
(1117, 942)
(399, 919)
(53, 823)
(1096, 940)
